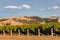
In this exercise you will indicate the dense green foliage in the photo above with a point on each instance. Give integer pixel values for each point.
(33, 28)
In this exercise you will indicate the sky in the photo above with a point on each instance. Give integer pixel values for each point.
(42, 8)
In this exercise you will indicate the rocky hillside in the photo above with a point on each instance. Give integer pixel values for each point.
(19, 20)
(25, 20)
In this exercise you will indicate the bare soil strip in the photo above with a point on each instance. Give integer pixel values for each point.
(23, 37)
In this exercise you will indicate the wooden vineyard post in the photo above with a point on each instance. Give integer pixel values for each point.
(3, 32)
(11, 32)
(19, 32)
(38, 32)
(27, 32)
(52, 32)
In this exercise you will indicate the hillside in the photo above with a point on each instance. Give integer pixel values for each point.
(26, 20)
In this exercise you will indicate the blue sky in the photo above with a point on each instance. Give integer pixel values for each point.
(42, 8)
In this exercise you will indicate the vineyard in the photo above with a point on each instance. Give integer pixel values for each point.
(31, 29)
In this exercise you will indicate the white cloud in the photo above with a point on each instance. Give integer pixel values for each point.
(54, 7)
(24, 6)
(10, 7)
